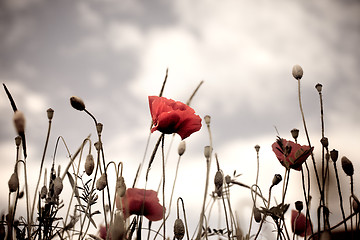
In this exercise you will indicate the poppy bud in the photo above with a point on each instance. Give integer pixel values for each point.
(19, 121)
(325, 142)
(295, 133)
(219, 179)
(334, 154)
(355, 204)
(43, 192)
(257, 214)
(318, 87)
(299, 205)
(21, 195)
(179, 229)
(181, 148)
(297, 72)
(276, 180)
(13, 182)
(117, 229)
(77, 103)
(101, 182)
(347, 166)
(99, 128)
(58, 186)
(50, 113)
(89, 164)
(97, 146)
(257, 148)
(17, 140)
(120, 186)
(227, 179)
(207, 119)
(207, 152)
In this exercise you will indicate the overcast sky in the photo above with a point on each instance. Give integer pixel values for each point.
(113, 54)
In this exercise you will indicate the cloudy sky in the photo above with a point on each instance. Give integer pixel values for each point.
(113, 54)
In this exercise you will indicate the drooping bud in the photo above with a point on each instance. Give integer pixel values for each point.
(299, 205)
(207, 152)
(179, 229)
(277, 179)
(257, 148)
(77, 103)
(43, 192)
(257, 214)
(355, 204)
(219, 179)
(19, 122)
(181, 148)
(318, 87)
(58, 186)
(50, 113)
(101, 182)
(117, 229)
(347, 166)
(17, 140)
(295, 133)
(120, 186)
(297, 72)
(89, 164)
(207, 119)
(325, 142)
(227, 179)
(13, 182)
(99, 128)
(334, 154)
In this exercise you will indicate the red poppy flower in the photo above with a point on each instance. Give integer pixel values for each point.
(170, 116)
(300, 226)
(290, 154)
(102, 232)
(141, 202)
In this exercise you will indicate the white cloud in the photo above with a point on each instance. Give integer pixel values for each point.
(88, 16)
(123, 36)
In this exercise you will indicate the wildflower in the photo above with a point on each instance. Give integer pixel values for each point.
(102, 232)
(299, 224)
(347, 166)
(77, 103)
(297, 72)
(173, 117)
(141, 202)
(290, 154)
(179, 229)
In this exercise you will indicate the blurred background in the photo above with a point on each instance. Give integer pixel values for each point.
(114, 54)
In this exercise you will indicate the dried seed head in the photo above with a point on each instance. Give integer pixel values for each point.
(334, 154)
(97, 146)
(101, 182)
(43, 192)
(181, 148)
(277, 179)
(295, 133)
(347, 166)
(207, 119)
(257, 214)
(227, 179)
(50, 113)
(77, 103)
(219, 179)
(297, 72)
(19, 122)
(325, 142)
(207, 152)
(179, 229)
(318, 87)
(13, 182)
(17, 140)
(99, 128)
(299, 205)
(117, 229)
(89, 164)
(58, 186)
(257, 148)
(120, 186)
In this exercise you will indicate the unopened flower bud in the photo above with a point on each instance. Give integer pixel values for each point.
(13, 182)
(325, 142)
(17, 140)
(297, 72)
(50, 113)
(257, 214)
(334, 154)
(117, 229)
(19, 122)
(207, 119)
(347, 166)
(58, 186)
(207, 152)
(318, 87)
(179, 229)
(277, 179)
(181, 148)
(101, 182)
(43, 192)
(77, 103)
(21, 195)
(227, 179)
(295, 133)
(299, 205)
(120, 186)
(219, 179)
(89, 164)
(99, 128)
(355, 204)
(257, 148)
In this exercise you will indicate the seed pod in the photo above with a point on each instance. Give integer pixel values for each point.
(99, 128)
(19, 122)
(257, 148)
(219, 179)
(13, 182)
(334, 154)
(295, 133)
(207, 119)
(299, 205)
(257, 214)
(179, 229)
(117, 229)
(17, 140)
(77, 103)
(97, 146)
(347, 166)
(297, 72)
(207, 152)
(227, 179)
(50, 113)
(325, 142)
(89, 164)
(277, 179)
(181, 148)
(120, 186)
(58, 186)
(318, 87)
(101, 182)
(43, 192)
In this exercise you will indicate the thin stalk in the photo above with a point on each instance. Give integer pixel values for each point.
(226, 217)
(163, 187)
(306, 202)
(256, 183)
